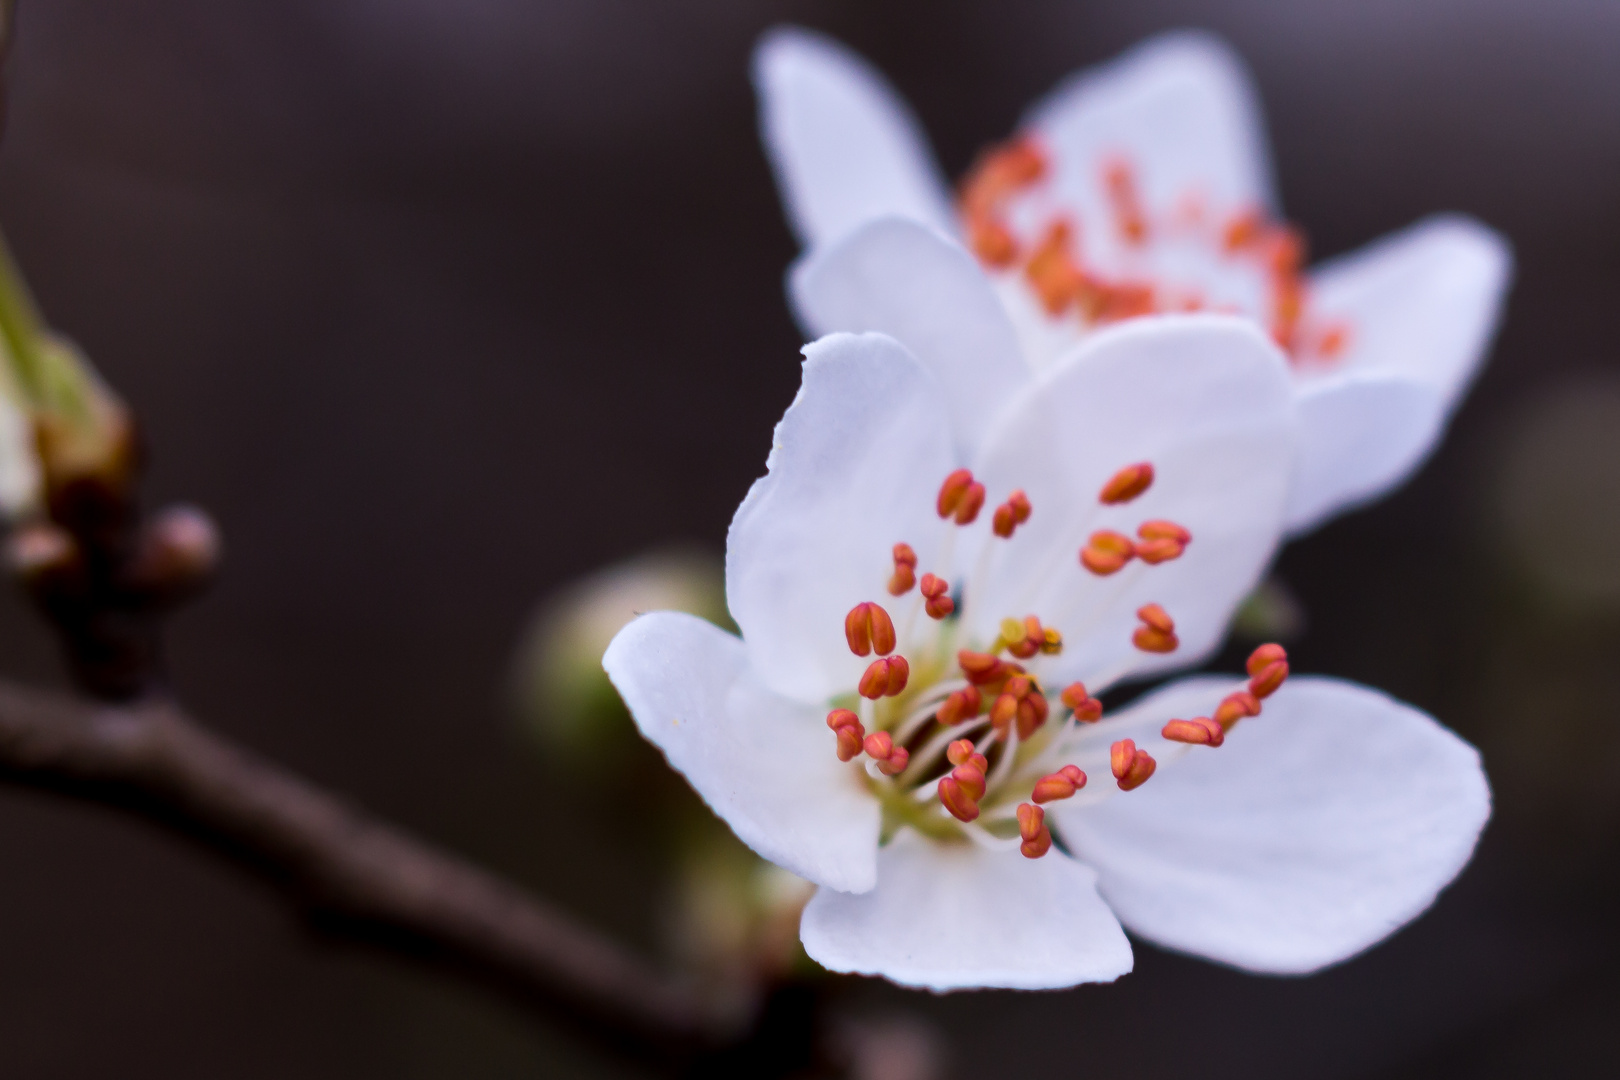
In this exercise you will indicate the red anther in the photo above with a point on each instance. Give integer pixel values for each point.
(1106, 552)
(959, 706)
(980, 668)
(1157, 618)
(999, 172)
(895, 763)
(1163, 530)
(884, 678)
(1131, 767)
(992, 242)
(1076, 777)
(970, 775)
(956, 800)
(936, 597)
(972, 502)
(1154, 552)
(1235, 707)
(905, 570)
(951, 491)
(1051, 788)
(868, 629)
(849, 742)
(1121, 182)
(1271, 676)
(1051, 270)
(1031, 715)
(1037, 838)
(1127, 484)
(959, 751)
(1012, 513)
(1087, 710)
(1158, 632)
(1002, 522)
(1264, 657)
(1199, 731)
(1003, 712)
(879, 745)
(842, 718)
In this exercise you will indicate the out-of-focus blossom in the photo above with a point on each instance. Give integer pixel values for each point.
(931, 587)
(1140, 186)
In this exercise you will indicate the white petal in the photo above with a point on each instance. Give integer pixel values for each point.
(1207, 400)
(855, 467)
(1361, 432)
(844, 146)
(19, 463)
(1423, 301)
(906, 280)
(1319, 828)
(1180, 107)
(954, 917)
(764, 764)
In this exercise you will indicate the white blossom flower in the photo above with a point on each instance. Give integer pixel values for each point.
(1140, 186)
(932, 583)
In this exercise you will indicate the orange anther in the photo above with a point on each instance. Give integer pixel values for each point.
(1157, 618)
(1163, 530)
(1199, 731)
(1051, 270)
(1235, 707)
(1106, 552)
(1032, 713)
(1011, 514)
(879, 744)
(868, 629)
(1076, 777)
(960, 705)
(1154, 641)
(936, 597)
(1087, 709)
(885, 677)
(981, 668)
(1037, 838)
(847, 726)
(1131, 767)
(895, 763)
(1154, 552)
(1059, 785)
(1244, 230)
(972, 502)
(1127, 484)
(841, 718)
(1270, 678)
(905, 570)
(961, 752)
(1003, 712)
(992, 242)
(1264, 657)
(971, 777)
(951, 491)
(999, 172)
(956, 800)
(1051, 641)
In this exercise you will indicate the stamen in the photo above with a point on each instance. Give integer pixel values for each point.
(992, 242)
(847, 726)
(956, 800)
(1087, 710)
(1127, 205)
(959, 706)
(868, 629)
(1268, 667)
(1131, 767)
(884, 678)
(1011, 514)
(1059, 785)
(1033, 831)
(1199, 731)
(1235, 707)
(1161, 541)
(936, 597)
(1051, 271)
(891, 759)
(1158, 632)
(961, 496)
(1024, 639)
(1051, 641)
(1107, 552)
(970, 776)
(1127, 484)
(999, 172)
(905, 570)
(961, 751)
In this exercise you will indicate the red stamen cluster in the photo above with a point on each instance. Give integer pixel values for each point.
(961, 497)
(1011, 514)
(1157, 634)
(1087, 709)
(1000, 173)
(936, 597)
(962, 789)
(1268, 669)
(905, 570)
(1131, 767)
(1061, 283)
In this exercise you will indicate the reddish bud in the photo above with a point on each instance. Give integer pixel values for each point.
(1127, 484)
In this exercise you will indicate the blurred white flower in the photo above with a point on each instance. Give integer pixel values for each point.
(970, 818)
(1140, 186)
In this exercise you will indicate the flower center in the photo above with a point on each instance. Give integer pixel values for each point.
(962, 739)
(1142, 259)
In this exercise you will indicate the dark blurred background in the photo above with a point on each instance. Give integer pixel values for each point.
(439, 305)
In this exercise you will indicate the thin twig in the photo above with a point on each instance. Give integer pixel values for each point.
(365, 880)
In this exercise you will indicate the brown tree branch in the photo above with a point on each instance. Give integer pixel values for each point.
(363, 879)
